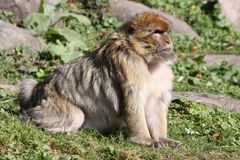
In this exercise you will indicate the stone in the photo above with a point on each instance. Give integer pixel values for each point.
(13, 37)
(210, 100)
(22, 8)
(231, 9)
(212, 59)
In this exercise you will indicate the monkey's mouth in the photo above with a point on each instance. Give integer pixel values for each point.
(165, 50)
(166, 54)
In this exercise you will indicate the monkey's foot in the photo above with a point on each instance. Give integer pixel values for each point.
(164, 142)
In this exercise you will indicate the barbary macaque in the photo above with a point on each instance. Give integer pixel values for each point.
(126, 83)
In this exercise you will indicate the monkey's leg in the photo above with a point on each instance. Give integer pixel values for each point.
(136, 125)
(156, 116)
(57, 115)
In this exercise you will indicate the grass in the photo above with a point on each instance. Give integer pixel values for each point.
(205, 133)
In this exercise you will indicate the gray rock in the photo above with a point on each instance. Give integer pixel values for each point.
(22, 8)
(124, 9)
(210, 100)
(231, 9)
(8, 87)
(12, 36)
(53, 2)
(231, 59)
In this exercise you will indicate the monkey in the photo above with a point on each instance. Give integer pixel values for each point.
(126, 83)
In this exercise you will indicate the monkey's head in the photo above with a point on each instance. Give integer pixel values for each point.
(148, 34)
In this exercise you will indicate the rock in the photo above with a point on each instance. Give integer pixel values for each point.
(23, 69)
(53, 2)
(210, 100)
(12, 37)
(231, 9)
(231, 59)
(9, 87)
(124, 9)
(22, 8)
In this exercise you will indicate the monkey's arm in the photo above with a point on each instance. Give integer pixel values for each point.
(134, 117)
(156, 116)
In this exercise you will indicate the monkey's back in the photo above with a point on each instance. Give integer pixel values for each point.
(86, 83)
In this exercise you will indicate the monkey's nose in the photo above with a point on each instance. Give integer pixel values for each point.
(167, 40)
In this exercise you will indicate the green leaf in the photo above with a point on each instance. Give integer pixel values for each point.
(58, 49)
(65, 52)
(49, 10)
(69, 35)
(41, 6)
(37, 23)
(199, 59)
(81, 19)
(69, 56)
(41, 73)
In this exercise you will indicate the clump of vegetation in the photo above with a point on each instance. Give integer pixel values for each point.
(67, 32)
(195, 75)
(213, 125)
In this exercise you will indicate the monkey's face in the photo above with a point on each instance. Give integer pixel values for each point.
(160, 46)
(150, 38)
(156, 45)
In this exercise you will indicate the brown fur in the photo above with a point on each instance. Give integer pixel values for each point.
(126, 82)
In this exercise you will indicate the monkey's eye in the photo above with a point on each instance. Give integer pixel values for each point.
(158, 32)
